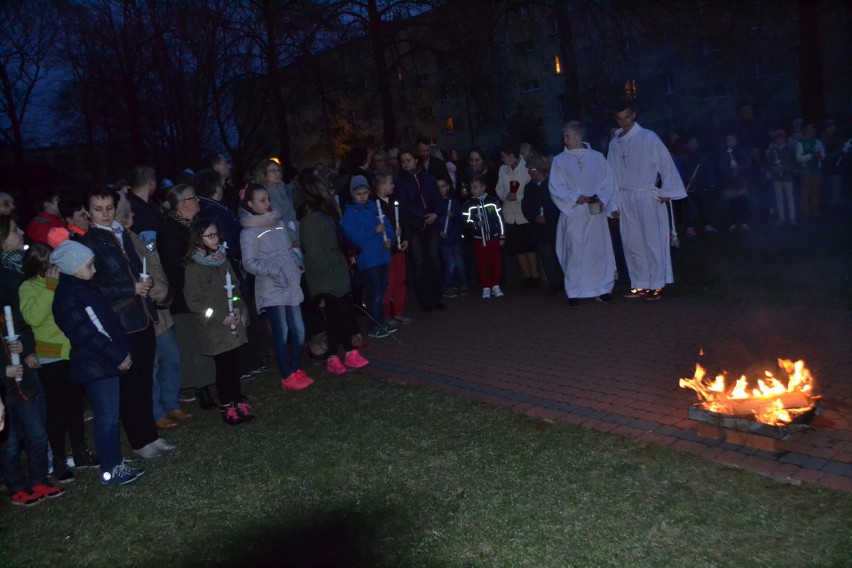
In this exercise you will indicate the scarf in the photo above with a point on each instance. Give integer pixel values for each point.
(117, 229)
(178, 219)
(203, 258)
(13, 260)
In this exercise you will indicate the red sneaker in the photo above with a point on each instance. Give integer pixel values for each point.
(334, 366)
(48, 490)
(305, 377)
(354, 360)
(294, 382)
(25, 499)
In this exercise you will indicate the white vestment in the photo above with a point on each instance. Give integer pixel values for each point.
(583, 242)
(638, 159)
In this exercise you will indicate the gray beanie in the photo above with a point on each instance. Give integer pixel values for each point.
(71, 256)
(357, 182)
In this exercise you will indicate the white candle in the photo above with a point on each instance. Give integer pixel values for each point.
(144, 274)
(447, 218)
(95, 320)
(398, 229)
(10, 323)
(229, 288)
(381, 218)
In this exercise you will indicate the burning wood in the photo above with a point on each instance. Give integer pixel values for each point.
(770, 401)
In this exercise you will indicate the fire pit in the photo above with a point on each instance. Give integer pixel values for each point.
(758, 415)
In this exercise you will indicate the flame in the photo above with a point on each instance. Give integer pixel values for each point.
(771, 402)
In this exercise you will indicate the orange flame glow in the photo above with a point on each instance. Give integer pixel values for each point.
(771, 402)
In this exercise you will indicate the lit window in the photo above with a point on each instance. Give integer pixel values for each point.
(451, 125)
(557, 64)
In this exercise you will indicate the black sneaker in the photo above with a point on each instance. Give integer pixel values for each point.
(604, 298)
(573, 304)
(83, 458)
(63, 474)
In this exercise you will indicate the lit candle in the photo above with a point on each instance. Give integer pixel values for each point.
(229, 287)
(398, 229)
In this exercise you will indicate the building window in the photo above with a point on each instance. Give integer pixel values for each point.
(557, 65)
(530, 86)
(399, 72)
(450, 125)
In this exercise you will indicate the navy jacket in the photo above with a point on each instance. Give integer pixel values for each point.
(117, 272)
(536, 198)
(418, 196)
(94, 356)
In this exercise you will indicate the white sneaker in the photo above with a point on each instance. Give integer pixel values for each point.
(498, 293)
(486, 293)
(163, 446)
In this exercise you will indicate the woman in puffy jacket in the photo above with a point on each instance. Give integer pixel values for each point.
(269, 255)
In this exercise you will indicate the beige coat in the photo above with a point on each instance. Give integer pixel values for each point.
(204, 289)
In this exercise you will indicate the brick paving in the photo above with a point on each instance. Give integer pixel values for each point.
(615, 368)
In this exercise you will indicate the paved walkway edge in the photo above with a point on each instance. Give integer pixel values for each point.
(785, 467)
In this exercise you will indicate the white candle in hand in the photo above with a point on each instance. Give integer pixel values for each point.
(447, 218)
(398, 229)
(229, 288)
(144, 274)
(10, 323)
(381, 219)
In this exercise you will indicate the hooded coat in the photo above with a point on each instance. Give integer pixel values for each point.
(269, 255)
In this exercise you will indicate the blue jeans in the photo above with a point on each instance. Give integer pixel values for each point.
(24, 421)
(455, 275)
(286, 323)
(103, 395)
(375, 282)
(167, 376)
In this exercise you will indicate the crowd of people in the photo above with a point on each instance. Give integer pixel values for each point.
(144, 294)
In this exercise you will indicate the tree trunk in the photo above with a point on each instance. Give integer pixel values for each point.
(568, 60)
(273, 79)
(811, 88)
(375, 32)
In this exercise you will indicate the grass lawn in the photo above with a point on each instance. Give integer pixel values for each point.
(356, 471)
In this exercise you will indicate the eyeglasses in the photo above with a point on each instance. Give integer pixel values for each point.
(210, 236)
(193, 198)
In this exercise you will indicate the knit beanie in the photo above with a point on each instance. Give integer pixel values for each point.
(71, 256)
(358, 182)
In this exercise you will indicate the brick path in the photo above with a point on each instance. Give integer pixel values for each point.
(615, 368)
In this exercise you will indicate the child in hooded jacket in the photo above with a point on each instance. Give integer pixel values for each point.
(365, 224)
(269, 255)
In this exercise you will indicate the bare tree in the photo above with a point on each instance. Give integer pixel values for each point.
(27, 33)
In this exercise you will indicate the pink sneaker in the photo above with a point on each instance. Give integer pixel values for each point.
(305, 377)
(244, 410)
(334, 366)
(354, 360)
(293, 383)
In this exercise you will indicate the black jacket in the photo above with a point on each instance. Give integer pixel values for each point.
(172, 244)
(117, 272)
(94, 356)
(537, 198)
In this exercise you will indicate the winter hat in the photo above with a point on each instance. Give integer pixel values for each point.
(57, 236)
(358, 182)
(71, 256)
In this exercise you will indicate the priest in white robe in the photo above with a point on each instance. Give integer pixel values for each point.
(645, 179)
(581, 186)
